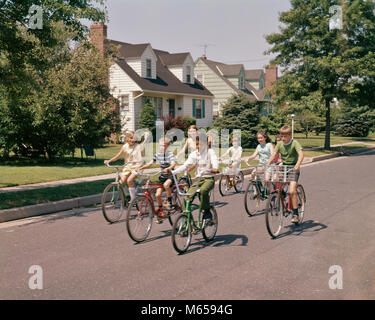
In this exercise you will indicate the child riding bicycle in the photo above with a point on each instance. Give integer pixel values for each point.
(132, 153)
(167, 162)
(205, 160)
(292, 155)
(264, 150)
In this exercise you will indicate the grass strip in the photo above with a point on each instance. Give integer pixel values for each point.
(44, 195)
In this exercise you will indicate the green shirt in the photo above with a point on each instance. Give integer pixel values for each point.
(288, 152)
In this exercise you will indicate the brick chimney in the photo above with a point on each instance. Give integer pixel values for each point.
(271, 76)
(98, 32)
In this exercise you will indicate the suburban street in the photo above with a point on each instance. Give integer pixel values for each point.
(84, 257)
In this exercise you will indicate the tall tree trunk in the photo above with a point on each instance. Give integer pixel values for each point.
(327, 140)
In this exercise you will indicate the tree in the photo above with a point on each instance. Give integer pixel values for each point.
(335, 63)
(64, 105)
(240, 113)
(15, 16)
(148, 117)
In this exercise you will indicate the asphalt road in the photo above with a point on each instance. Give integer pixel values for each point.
(83, 257)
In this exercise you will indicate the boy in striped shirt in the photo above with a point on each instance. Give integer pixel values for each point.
(167, 162)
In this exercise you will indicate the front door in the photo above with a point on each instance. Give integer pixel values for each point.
(172, 108)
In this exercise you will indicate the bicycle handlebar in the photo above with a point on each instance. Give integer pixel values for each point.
(196, 187)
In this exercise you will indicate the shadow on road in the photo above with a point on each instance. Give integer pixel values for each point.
(222, 240)
(307, 226)
(165, 233)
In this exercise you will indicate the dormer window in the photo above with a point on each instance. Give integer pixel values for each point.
(188, 74)
(148, 68)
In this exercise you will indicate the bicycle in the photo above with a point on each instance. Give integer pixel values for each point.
(256, 191)
(231, 178)
(279, 203)
(115, 198)
(185, 225)
(141, 210)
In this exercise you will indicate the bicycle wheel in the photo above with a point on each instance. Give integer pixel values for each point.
(210, 226)
(274, 215)
(301, 203)
(239, 180)
(177, 208)
(252, 199)
(113, 202)
(181, 234)
(139, 218)
(223, 185)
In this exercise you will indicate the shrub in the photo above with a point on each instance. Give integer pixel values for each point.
(352, 128)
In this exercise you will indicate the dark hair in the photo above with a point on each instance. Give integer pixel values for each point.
(264, 134)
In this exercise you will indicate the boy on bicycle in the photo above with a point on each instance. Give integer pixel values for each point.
(205, 161)
(167, 162)
(291, 155)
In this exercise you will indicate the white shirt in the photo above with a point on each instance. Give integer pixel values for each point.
(204, 162)
(236, 153)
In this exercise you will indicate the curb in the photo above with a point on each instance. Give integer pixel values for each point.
(46, 208)
(57, 206)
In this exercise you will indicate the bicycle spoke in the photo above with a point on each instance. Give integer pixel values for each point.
(139, 219)
(274, 215)
(113, 203)
(181, 234)
(252, 199)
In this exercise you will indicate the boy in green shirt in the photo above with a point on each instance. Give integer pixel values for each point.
(291, 155)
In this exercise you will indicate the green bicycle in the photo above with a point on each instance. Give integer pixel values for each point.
(185, 225)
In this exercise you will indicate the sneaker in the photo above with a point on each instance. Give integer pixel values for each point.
(160, 216)
(295, 219)
(207, 214)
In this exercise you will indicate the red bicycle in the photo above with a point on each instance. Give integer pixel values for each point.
(141, 210)
(279, 204)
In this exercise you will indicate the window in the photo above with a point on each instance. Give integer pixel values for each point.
(199, 109)
(188, 74)
(124, 102)
(148, 68)
(200, 78)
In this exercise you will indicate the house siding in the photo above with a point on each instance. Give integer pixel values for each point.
(214, 84)
(188, 110)
(121, 84)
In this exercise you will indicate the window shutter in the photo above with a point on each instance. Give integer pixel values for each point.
(203, 108)
(194, 108)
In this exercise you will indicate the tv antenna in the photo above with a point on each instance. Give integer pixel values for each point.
(205, 46)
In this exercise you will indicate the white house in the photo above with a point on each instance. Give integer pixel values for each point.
(146, 74)
(224, 80)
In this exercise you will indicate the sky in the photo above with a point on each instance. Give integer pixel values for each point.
(233, 30)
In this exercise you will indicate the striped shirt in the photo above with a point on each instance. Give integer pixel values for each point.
(165, 159)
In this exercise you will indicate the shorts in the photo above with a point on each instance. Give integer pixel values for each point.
(165, 177)
(128, 170)
(296, 176)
